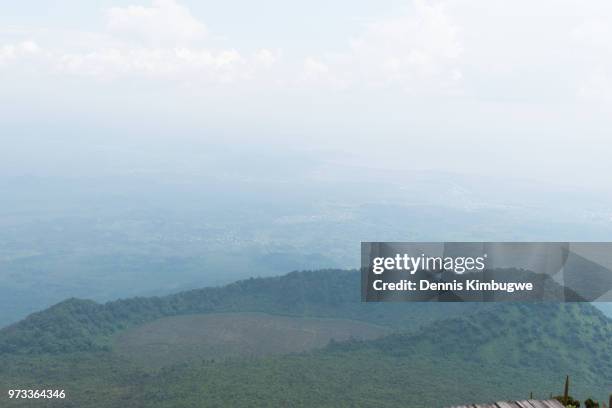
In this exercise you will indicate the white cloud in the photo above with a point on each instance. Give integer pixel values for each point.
(267, 57)
(179, 64)
(594, 33)
(592, 41)
(314, 69)
(490, 50)
(167, 48)
(182, 64)
(12, 52)
(417, 51)
(164, 23)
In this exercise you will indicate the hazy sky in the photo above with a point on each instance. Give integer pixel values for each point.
(481, 86)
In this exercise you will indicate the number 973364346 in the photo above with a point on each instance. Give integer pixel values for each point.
(36, 394)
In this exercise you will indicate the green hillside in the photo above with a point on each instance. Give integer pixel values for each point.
(475, 358)
(503, 353)
(438, 355)
(82, 325)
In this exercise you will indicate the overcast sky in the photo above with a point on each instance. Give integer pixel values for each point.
(482, 86)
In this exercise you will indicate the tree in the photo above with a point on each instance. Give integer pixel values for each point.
(591, 404)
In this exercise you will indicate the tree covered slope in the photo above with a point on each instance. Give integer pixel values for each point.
(82, 325)
(479, 357)
(438, 354)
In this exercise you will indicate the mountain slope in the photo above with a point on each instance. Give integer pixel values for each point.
(462, 353)
(81, 325)
(503, 353)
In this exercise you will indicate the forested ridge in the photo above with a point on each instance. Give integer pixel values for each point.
(438, 354)
(506, 352)
(83, 325)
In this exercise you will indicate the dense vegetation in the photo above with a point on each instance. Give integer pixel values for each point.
(482, 357)
(82, 325)
(477, 353)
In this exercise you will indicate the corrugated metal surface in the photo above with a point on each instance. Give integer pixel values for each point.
(516, 404)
